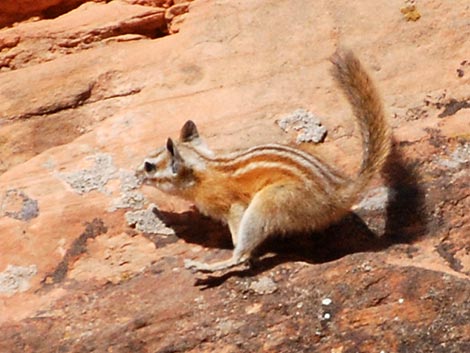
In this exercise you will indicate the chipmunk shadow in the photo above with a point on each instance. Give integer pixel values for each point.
(406, 214)
(403, 215)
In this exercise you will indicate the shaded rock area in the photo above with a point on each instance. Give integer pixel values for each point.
(91, 261)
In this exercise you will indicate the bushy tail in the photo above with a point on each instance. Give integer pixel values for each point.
(367, 106)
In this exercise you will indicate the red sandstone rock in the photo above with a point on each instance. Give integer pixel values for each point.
(155, 3)
(76, 277)
(14, 10)
(176, 10)
(82, 28)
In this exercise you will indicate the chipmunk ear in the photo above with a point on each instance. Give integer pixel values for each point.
(176, 159)
(189, 132)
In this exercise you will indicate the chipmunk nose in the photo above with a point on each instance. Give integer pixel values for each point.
(149, 167)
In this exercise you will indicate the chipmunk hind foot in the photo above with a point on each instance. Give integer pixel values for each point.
(216, 266)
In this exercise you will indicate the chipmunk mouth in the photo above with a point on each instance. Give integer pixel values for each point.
(146, 180)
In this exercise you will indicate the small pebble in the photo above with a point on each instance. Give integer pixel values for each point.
(264, 285)
(326, 301)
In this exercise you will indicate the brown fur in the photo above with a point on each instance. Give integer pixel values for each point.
(273, 188)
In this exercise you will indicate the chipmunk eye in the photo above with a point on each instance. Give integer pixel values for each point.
(149, 167)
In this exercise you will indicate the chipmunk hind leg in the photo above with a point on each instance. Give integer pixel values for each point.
(245, 227)
(260, 219)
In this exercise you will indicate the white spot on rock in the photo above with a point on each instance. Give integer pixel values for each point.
(309, 126)
(376, 199)
(326, 301)
(458, 158)
(147, 221)
(264, 285)
(94, 178)
(16, 278)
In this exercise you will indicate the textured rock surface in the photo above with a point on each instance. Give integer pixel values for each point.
(85, 95)
(14, 10)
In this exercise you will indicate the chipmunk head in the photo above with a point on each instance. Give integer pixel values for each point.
(173, 168)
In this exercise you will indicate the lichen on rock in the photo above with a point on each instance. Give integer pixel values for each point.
(94, 178)
(16, 204)
(16, 278)
(148, 221)
(306, 123)
(129, 197)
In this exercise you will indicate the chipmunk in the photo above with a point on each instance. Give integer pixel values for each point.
(273, 188)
